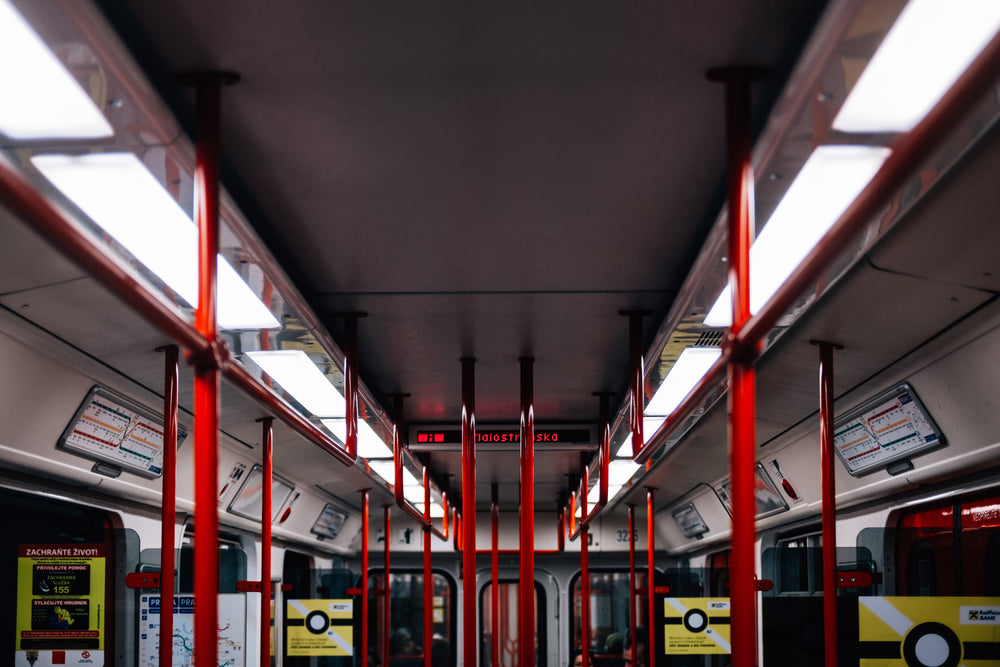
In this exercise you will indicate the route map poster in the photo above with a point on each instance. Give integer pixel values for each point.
(60, 605)
(108, 427)
(232, 630)
(892, 426)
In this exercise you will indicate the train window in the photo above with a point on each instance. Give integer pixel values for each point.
(949, 548)
(232, 562)
(508, 624)
(718, 573)
(407, 617)
(296, 571)
(58, 571)
(609, 614)
(800, 565)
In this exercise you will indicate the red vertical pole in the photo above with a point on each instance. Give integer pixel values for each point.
(636, 375)
(385, 586)
(527, 543)
(267, 442)
(631, 582)
(742, 392)
(428, 576)
(585, 569)
(351, 382)
(206, 376)
(364, 578)
(168, 518)
(495, 573)
(469, 511)
(829, 503)
(650, 577)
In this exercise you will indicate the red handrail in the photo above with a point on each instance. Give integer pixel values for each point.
(206, 375)
(468, 546)
(829, 502)
(428, 576)
(168, 515)
(526, 633)
(267, 456)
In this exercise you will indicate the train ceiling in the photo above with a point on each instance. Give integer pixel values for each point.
(483, 181)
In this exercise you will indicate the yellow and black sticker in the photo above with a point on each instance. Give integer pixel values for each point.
(928, 631)
(696, 626)
(320, 627)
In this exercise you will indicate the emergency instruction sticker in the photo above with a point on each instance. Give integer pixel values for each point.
(320, 627)
(696, 626)
(928, 631)
(60, 606)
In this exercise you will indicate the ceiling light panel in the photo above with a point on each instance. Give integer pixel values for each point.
(830, 180)
(302, 380)
(41, 99)
(923, 54)
(120, 195)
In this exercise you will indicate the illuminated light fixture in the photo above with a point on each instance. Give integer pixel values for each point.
(384, 469)
(302, 379)
(122, 197)
(41, 99)
(595, 494)
(370, 446)
(415, 494)
(620, 472)
(437, 511)
(829, 181)
(923, 54)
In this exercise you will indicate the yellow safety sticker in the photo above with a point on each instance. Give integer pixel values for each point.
(320, 627)
(928, 631)
(696, 626)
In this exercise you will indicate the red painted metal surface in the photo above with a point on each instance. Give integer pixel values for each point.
(585, 566)
(526, 634)
(363, 648)
(631, 581)
(168, 515)
(856, 579)
(428, 576)
(206, 376)
(651, 573)
(468, 545)
(495, 572)
(143, 580)
(386, 572)
(637, 379)
(267, 454)
(351, 382)
(250, 587)
(742, 395)
(829, 503)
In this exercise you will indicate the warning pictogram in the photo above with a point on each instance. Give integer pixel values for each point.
(696, 626)
(320, 627)
(928, 631)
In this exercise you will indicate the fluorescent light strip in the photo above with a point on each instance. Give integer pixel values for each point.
(120, 195)
(923, 54)
(302, 379)
(437, 511)
(41, 99)
(830, 180)
(370, 446)
(690, 367)
(384, 469)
